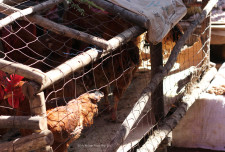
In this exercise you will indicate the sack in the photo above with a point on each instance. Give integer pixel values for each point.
(162, 14)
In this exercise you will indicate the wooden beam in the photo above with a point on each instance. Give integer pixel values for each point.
(29, 143)
(69, 32)
(21, 13)
(24, 122)
(57, 28)
(139, 106)
(170, 122)
(137, 19)
(23, 70)
(89, 56)
(124, 37)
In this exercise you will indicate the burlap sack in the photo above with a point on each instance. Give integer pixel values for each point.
(163, 14)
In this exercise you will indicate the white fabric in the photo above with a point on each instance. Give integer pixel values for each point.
(163, 14)
(203, 126)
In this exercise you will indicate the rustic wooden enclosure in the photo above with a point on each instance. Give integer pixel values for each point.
(64, 49)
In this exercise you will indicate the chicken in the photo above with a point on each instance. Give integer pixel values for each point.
(10, 95)
(67, 122)
(11, 89)
(116, 70)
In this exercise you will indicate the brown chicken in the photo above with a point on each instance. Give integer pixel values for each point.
(117, 70)
(67, 122)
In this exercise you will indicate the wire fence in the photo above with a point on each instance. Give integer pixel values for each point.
(84, 69)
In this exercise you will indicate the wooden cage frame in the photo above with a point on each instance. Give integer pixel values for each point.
(40, 80)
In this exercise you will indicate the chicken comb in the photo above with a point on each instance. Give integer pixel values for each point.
(13, 81)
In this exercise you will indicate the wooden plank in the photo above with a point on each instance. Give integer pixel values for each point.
(170, 122)
(29, 143)
(24, 122)
(127, 125)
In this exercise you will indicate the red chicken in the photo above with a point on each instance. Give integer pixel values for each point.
(11, 89)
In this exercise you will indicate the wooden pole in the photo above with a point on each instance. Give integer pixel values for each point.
(206, 30)
(157, 95)
(29, 143)
(21, 13)
(38, 107)
(24, 122)
(124, 37)
(23, 70)
(139, 106)
(137, 19)
(170, 122)
(57, 28)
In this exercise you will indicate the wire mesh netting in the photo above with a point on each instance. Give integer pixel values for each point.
(87, 107)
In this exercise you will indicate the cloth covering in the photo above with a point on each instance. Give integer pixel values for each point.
(162, 14)
(204, 124)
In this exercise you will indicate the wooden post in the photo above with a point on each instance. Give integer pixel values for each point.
(38, 107)
(157, 95)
